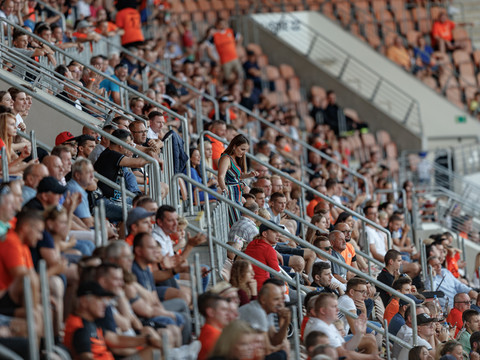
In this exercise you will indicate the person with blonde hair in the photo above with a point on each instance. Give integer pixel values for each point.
(235, 343)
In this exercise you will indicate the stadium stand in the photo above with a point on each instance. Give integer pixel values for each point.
(306, 226)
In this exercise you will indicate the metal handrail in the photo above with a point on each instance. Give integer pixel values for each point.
(298, 141)
(166, 74)
(91, 68)
(405, 111)
(55, 11)
(296, 182)
(298, 240)
(62, 108)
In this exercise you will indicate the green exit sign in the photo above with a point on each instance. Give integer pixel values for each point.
(461, 119)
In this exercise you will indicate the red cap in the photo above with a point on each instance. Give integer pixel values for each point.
(62, 137)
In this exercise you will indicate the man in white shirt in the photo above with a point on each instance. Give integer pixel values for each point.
(157, 121)
(376, 239)
(326, 310)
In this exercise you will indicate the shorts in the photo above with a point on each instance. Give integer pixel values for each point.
(7, 305)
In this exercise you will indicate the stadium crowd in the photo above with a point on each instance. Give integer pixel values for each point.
(119, 300)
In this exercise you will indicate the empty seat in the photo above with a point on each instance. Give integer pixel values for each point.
(280, 85)
(293, 83)
(383, 138)
(371, 34)
(343, 11)
(466, 69)
(406, 25)
(391, 150)
(385, 19)
(327, 10)
(422, 20)
(460, 57)
(431, 83)
(378, 4)
(318, 91)
(435, 12)
(460, 37)
(412, 37)
(470, 91)
(294, 95)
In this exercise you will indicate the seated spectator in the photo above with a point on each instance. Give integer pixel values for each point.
(242, 277)
(399, 54)
(398, 320)
(16, 165)
(215, 309)
(79, 328)
(451, 349)
(461, 303)
(195, 174)
(138, 221)
(32, 176)
(82, 179)
(104, 143)
(326, 311)
(443, 280)
(112, 89)
(323, 280)
(84, 32)
(338, 243)
(403, 285)
(49, 193)
(442, 34)
(245, 228)
(237, 341)
(255, 313)
(471, 324)
(475, 344)
(85, 145)
(393, 263)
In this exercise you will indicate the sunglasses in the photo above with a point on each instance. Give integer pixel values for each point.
(328, 248)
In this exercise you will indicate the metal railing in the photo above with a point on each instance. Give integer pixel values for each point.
(304, 145)
(53, 10)
(299, 241)
(344, 67)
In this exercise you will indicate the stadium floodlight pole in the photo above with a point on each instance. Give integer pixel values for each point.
(298, 141)
(302, 185)
(301, 242)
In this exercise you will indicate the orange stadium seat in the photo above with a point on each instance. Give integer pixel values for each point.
(343, 10)
(420, 17)
(431, 83)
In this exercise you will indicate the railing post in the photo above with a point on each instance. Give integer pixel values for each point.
(296, 336)
(299, 299)
(5, 174)
(165, 346)
(375, 90)
(47, 318)
(102, 217)
(387, 339)
(97, 230)
(124, 206)
(33, 140)
(193, 288)
(198, 274)
(32, 336)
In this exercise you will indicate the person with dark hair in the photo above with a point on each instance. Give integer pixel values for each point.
(157, 122)
(471, 324)
(111, 88)
(85, 145)
(322, 279)
(403, 285)
(393, 263)
(461, 303)
(232, 169)
(215, 309)
(112, 160)
(475, 343)
(419, 353)
(270, 300)
(104, 143)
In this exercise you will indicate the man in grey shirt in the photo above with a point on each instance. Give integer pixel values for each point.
(337, 240)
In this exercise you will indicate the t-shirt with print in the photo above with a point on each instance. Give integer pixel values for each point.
(130, 21)
(108, 165)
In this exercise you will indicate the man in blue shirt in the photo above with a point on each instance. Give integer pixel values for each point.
(112, 89)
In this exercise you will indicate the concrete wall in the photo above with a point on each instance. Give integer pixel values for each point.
(311, 74)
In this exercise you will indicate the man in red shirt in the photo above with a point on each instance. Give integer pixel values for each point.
(216, 311)
(442, 35)
(261, 249)
(461, 302)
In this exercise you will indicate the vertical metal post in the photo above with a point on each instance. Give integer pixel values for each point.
(210, 241)
(47, 318)
(102, 218)
(165, 346)
(32, 336)
(5, 175)
(193, 287)
(296, 335)
(124, 205)
(299, 298)
(98, 233)
(198, 116)
(198, 274)
(387, 340)
(33, 140)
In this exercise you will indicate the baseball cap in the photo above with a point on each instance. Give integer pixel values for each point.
(137, 214)
(93, 288)
(270, 226)
(83, 24)
(63, 137)
(225, 98)
(423, 319)
(50, 184)
(403, 302)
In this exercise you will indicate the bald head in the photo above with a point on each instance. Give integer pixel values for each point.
(33, 174)
(54, 166)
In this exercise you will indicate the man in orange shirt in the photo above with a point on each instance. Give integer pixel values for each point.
(219, 128)
(129, 20)
(225, 42)
(442, 36)
(138, 221)
(215, 309)
(349, 253)
(403, 285)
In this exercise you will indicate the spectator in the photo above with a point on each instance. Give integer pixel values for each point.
(195, 172)
(84, 32)
(264, 151)
(277, 203)
(461, 303)
(224, 40)
(85, 144)
(157, 122)
(337, 240)
(82, 179)
(323, 280)
(54, 166)
(236, 341)
(376, 239)
(112, 89)
(265, 184)
(16, 165)
(475, 344)
(403, 285)
(471, 324)
(138, 221)
(349, 253)
(393, 263)
(32, 176)
(79, 328)
(245, 228)
(104, 143)
(405, 332)
(128, 19)
(261, 249)
(259, 194)
(399, 54)
(326, 310)
(219, 128)
(49, 193)
(353, 301)
(452, 349)
(242, 277)
(443, 280)
(215, 310)
(67, 139)
(442, 34)
(255, 313)
(419, 352)
(398, 319)
(232, 169)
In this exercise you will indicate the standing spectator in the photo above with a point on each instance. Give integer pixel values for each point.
(215, 309)
(129, 19)
(232, 169)
(471, 324)
(225, 41)
(261, 249)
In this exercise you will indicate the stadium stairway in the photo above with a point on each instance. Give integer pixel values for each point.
(380, 91)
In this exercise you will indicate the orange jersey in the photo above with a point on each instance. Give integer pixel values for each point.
(13, 254)
(226, 47)
(129, 19)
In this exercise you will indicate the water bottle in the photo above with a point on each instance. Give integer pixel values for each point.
(437, 304)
